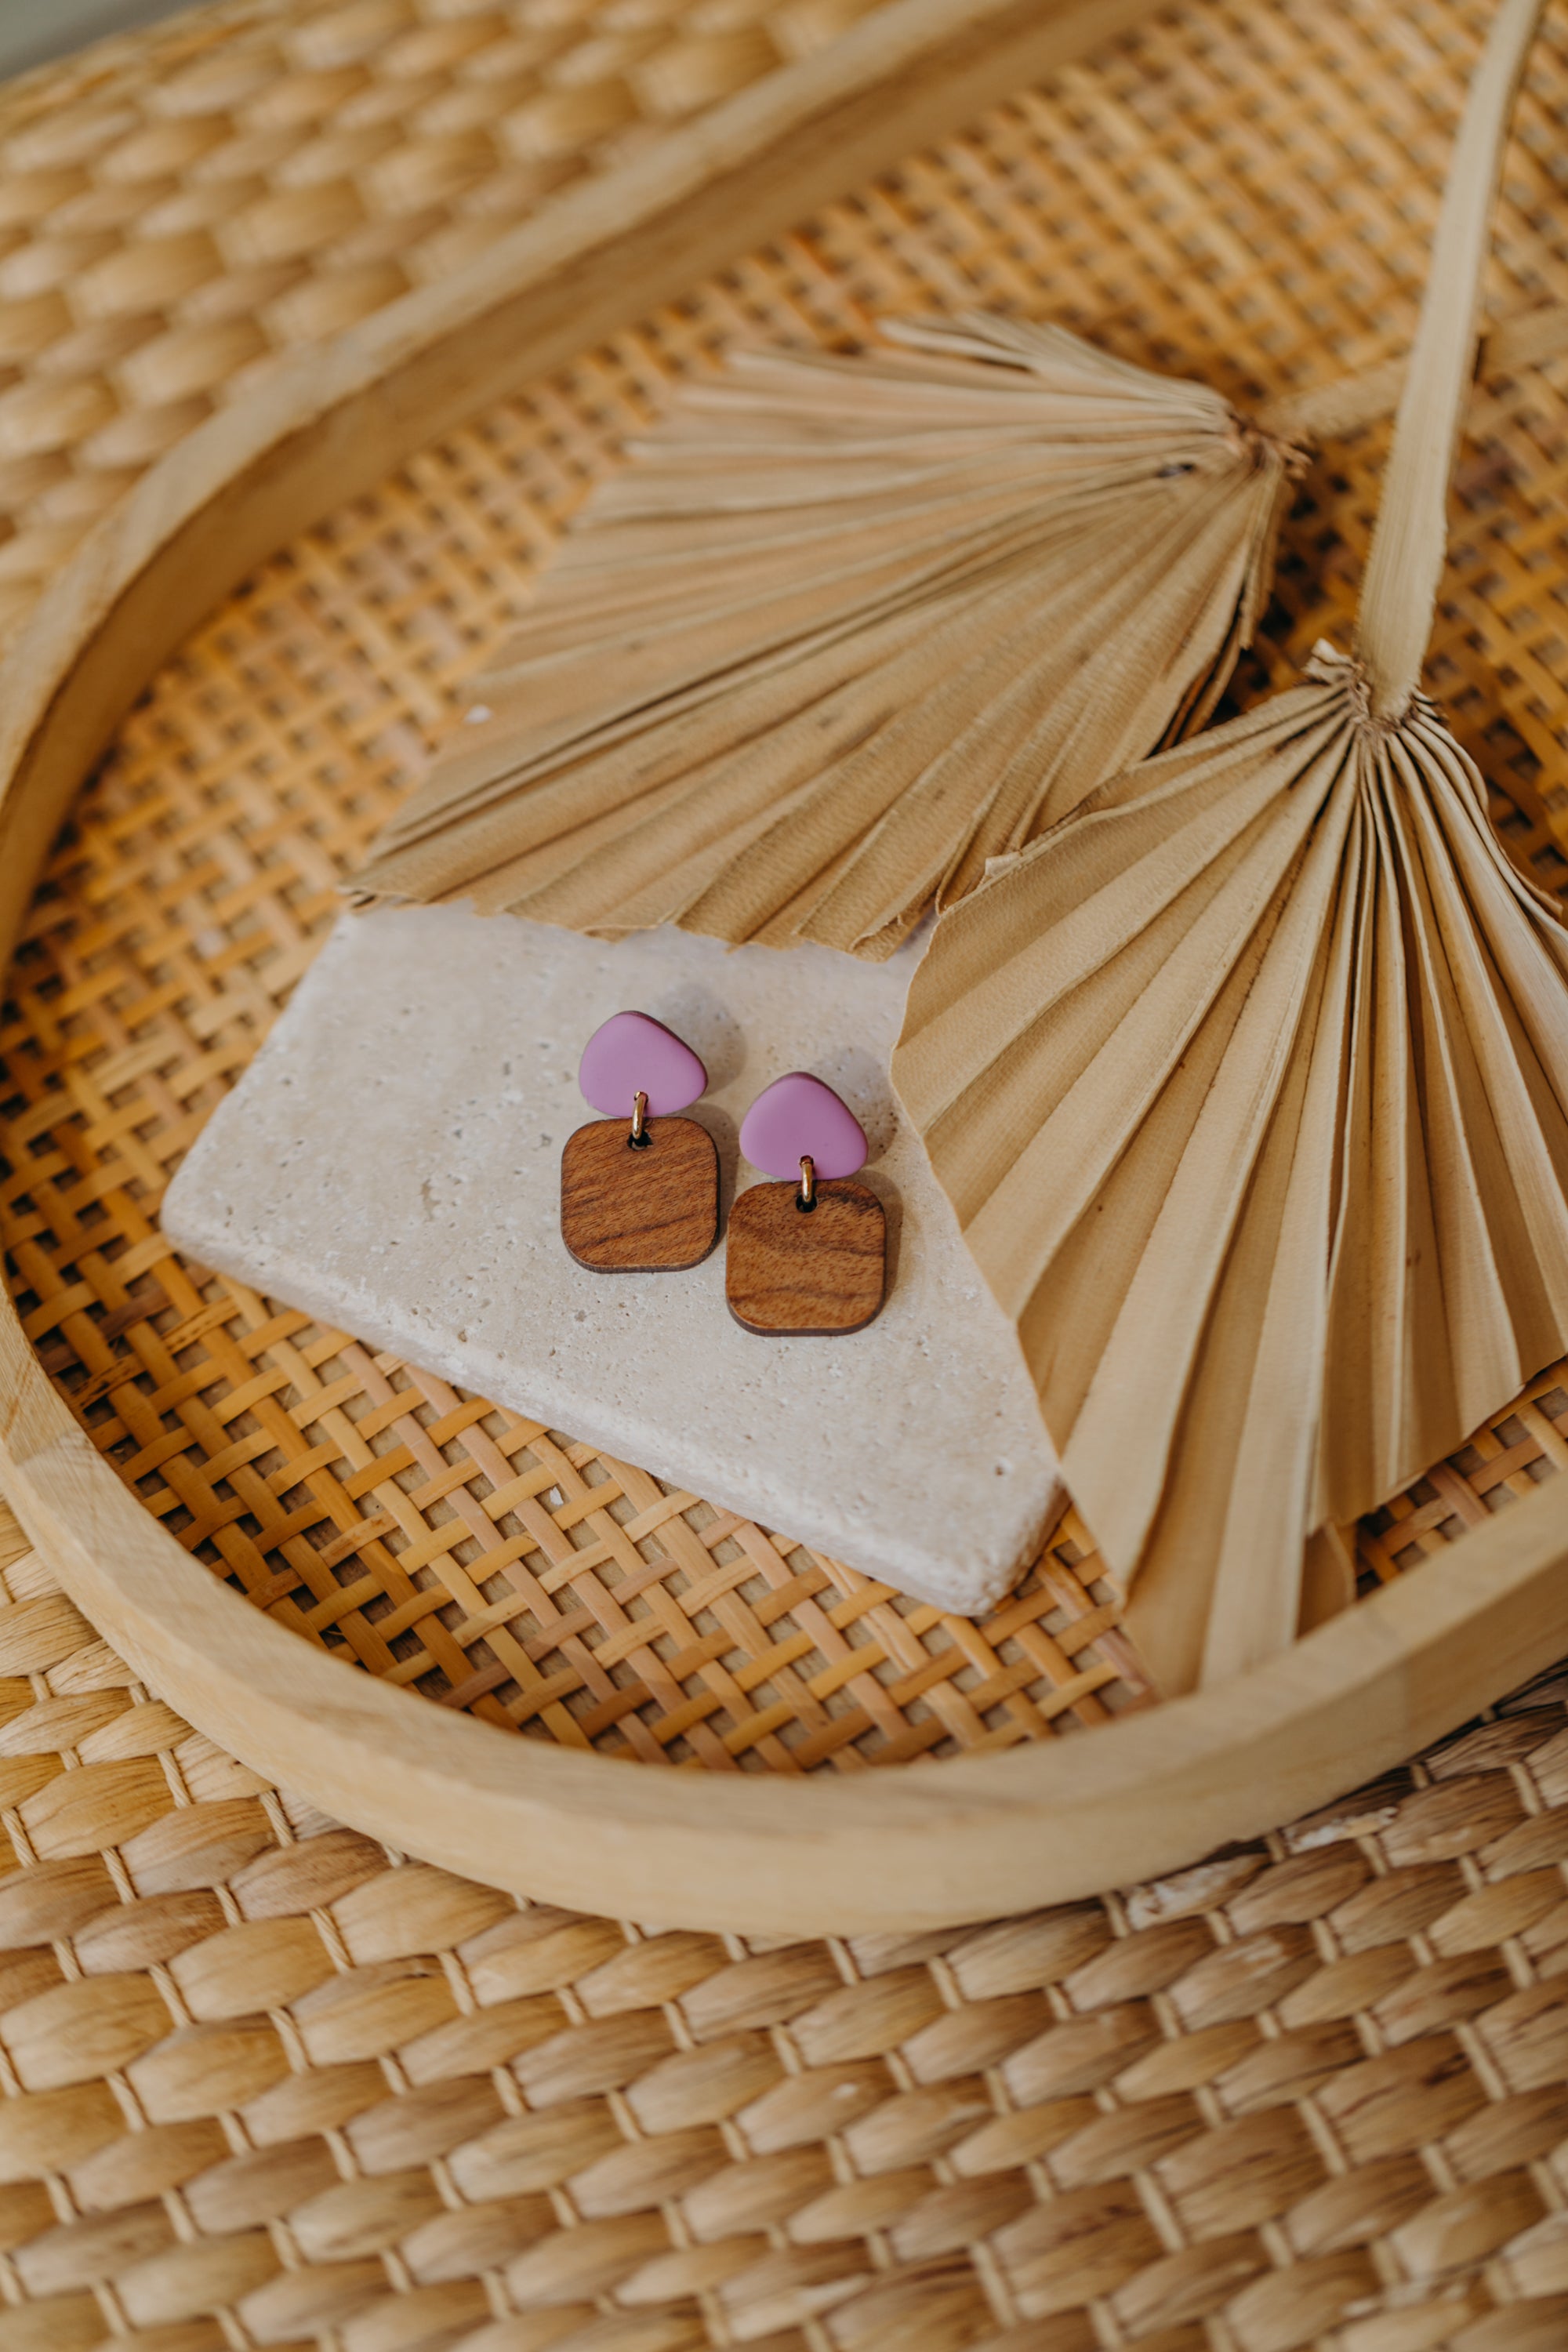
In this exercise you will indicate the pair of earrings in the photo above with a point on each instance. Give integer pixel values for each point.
(639, 1188)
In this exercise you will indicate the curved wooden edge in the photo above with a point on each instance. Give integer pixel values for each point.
(922, 1846)
(974, 1839)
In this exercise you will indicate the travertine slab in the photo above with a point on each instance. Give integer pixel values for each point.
(390, 1162)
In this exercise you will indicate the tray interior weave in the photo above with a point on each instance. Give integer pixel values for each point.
(1245, 200)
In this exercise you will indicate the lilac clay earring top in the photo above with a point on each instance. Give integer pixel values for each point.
(632, 1054)
(798, 1117)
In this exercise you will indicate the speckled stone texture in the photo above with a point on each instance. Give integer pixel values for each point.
(391, 1163)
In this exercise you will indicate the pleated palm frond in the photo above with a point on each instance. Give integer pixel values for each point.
(1249, 1083)
(846, 629)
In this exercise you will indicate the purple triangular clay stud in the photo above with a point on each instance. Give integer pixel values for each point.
(798, 1117)
(633, 1054)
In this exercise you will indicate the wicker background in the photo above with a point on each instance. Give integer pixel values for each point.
(181, 206)
(1183, 197)
(265, 2085)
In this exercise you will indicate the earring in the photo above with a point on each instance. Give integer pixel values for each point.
(639, 1188)
(807, 1256)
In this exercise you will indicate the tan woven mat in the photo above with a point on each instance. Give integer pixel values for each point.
(268, 2086)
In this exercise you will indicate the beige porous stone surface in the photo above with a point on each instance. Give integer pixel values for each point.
(391, 1163)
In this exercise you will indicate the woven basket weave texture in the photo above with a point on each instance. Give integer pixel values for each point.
(265, 2083)
(265, 2086)
(180, 208)
(465, 1551)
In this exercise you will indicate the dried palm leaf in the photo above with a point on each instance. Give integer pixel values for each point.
(1249, 1082)
(845, 630)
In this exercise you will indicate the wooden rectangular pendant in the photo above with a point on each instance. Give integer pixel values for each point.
(626, 1208)
(805, 1273)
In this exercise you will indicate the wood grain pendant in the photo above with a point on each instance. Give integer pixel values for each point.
(798, 1273)
(652, 1209)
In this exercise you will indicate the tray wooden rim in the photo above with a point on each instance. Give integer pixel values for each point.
(969, 1839)
(926, 1845)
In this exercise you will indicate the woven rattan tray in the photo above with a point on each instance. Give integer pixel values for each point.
(1190, 198)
